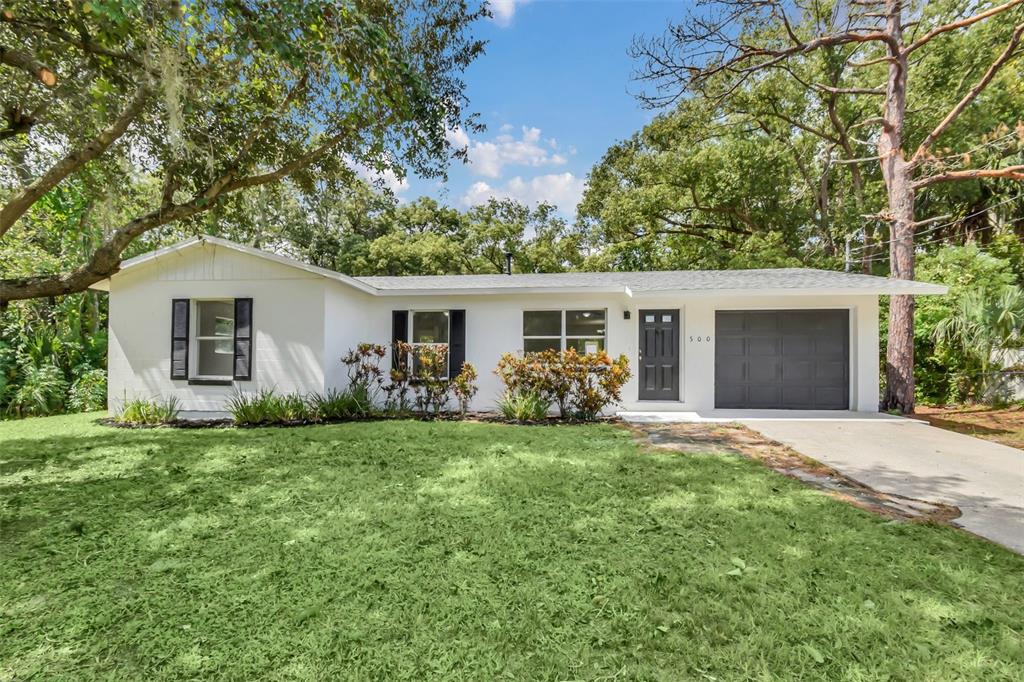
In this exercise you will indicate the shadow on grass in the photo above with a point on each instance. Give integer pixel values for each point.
(411, 550)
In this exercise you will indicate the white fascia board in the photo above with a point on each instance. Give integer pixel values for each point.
(504, 291)
(920, 289)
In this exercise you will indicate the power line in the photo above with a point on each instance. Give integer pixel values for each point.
(939, 227)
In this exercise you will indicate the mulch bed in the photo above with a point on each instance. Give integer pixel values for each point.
(703, 438)
(225, 423)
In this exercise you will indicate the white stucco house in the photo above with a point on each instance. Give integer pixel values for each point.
(207, 317)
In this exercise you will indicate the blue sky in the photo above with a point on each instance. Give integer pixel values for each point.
(554, 90)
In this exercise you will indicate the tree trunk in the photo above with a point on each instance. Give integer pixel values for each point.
(898, 176)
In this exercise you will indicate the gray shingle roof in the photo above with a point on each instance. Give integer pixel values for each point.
(782, 280)
(795, 279)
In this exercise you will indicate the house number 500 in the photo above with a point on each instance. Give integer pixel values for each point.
(700, 339)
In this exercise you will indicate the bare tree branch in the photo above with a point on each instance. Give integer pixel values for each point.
(953, 26)
(1007, 54)
(23, 200)
(1008, 173)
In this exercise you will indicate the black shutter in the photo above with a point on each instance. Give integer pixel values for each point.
(179, 338)
(456, 341)
(243, 338)
(399, 332)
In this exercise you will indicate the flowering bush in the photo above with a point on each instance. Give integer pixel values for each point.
(581, 385)
(463, 386)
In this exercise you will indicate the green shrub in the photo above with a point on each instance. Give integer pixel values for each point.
(89, 391)
(582, 385)
(41, 391)
(523, 406)
(335, 405)
(267, 407)
(149, 412)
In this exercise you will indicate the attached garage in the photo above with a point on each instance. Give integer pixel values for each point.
(782, 359)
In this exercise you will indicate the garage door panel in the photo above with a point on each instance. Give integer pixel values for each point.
(798, 371)
(768, 370)
(733, 372)
(764, 396)
(761, 322)
(764, 345)
(830, 372)
(782, 359)
(730, 347)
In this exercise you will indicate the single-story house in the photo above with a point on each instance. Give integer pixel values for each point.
(207, 317)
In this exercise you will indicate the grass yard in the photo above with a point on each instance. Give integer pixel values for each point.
(1004, 426)
(410, 550)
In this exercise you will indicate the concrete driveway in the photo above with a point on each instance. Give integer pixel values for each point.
(906, 457)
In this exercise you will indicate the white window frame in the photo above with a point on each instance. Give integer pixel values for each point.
(563, 338)
(195, 338)
(409, 334)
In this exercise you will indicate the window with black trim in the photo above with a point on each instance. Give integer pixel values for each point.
(428, 327)
(214, 339)
(584, 330)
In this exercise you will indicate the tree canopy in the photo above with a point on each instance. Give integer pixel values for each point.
(158, 111)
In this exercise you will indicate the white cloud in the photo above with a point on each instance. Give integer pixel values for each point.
(564, 190)
(488, 158)
(502, 11)
(387, 178)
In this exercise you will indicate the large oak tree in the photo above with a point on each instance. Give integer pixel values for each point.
(201, 100)
(719, 51)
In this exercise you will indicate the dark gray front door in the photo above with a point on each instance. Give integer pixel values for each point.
(782, 359)
(659, 355)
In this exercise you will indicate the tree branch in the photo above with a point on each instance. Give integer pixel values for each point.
(1003, 58)
(29, 64)
(1008, 173)
(106, 260)
(962, 23)
(29, 195)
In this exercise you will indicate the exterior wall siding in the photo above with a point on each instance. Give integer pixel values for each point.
(304, 323)
(288, 315)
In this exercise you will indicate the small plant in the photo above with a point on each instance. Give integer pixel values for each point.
(251, 409)
(581, 385)
(523, 406)
(365, 376)
(334, 405)
(41, 391)
(431, 364)
(397, 392)
(463, 386)
(89, 391)
(149, 412)
(290, 408)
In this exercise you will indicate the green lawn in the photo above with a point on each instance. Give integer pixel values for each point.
(409, 550)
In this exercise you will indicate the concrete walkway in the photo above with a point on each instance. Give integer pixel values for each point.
(906, 457)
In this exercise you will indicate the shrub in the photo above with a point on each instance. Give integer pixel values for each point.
(334, 405)
(581, 385)
(89, 391)
(431, 370)
(365, 377)
(523, 406)
(149, 412)
(397, 392)
(463, 386)
(41, 391)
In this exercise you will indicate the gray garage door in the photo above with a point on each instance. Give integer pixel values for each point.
(782, 359)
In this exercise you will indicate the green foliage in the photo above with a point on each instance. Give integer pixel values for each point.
(582, 385)
(523, 405)
(149, 412)
(463, 386)
(944, 372)
(304, 89)
(605, 560)
(41, 390)
(89, 391)
(337, 405)
(268, 407)
(982, 324)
